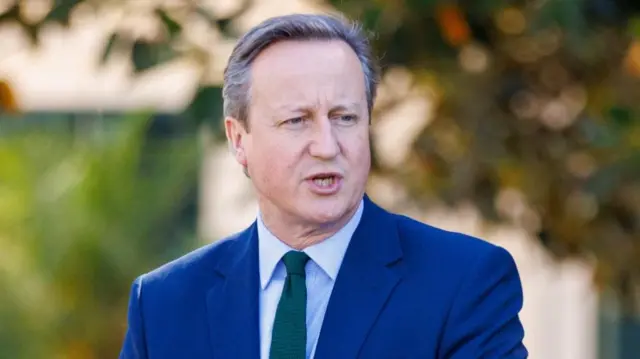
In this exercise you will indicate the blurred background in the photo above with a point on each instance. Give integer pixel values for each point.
(515, 121)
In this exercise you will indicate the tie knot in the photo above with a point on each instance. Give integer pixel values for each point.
(295, 261)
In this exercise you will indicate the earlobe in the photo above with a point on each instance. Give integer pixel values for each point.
(232, 133)
(241, 156)
(235, 136)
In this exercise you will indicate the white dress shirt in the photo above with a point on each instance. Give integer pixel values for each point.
(321, 272)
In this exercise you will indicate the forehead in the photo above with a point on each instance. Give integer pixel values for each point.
(308, 73)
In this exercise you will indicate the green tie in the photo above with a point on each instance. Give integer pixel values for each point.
(289, 336)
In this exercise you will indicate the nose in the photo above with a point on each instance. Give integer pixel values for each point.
(324, 144)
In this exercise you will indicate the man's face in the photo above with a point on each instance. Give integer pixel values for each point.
(307, 151)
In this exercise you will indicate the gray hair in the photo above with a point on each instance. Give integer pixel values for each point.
(237, 76)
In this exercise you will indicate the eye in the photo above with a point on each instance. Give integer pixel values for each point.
(294, 121)
(347, 118)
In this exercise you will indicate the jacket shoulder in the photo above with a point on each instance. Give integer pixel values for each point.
(448, 247)
(196, 266)
(445, 261)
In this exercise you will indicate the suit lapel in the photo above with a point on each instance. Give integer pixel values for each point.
(233, 303)
(367, 277)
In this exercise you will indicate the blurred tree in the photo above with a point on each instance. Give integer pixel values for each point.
(167, 36)
(538, 119)
(81, 216)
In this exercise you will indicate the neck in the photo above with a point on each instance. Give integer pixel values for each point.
(299, 234)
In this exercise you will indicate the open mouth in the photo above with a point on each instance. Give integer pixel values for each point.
(325, 181)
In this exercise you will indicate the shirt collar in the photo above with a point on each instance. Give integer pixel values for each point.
(327, 254)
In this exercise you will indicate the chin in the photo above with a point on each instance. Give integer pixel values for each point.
(325, 217)
(322, 211)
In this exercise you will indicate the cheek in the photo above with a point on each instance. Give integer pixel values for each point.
(358, 150)
(274, 161)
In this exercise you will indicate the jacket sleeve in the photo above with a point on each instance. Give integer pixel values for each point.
(134, 346)
(483, 321)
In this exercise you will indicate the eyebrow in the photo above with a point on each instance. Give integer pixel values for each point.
(346, 107)
(340, 107)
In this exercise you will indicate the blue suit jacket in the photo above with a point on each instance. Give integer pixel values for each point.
(405, 290)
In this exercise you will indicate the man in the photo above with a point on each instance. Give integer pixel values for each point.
(323, 272)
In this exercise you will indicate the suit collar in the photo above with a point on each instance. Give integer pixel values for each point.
(233, 302)
(270, 251)
(327, 254)
(370, 272)
(330, 253)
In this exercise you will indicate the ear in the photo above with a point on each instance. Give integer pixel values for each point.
(236, 137)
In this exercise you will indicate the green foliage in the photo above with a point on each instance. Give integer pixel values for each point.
(80, 217)
(147, 55)
(545, 133)
(61, 12)
(146, 52)
(538, 119)
(171, 25)
(207, 107)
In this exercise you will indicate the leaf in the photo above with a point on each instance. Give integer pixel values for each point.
(12, 13)
(621, 117)
(173, 27)
(225, 26)
(206, 106)
(479, 9)
(146, 55)
(371, 17)
(142, 56)
(8, 102)
(32, 32)
(114, 39)
(634, 27)
(61, 11)
(598, 135)
(453, 24)
(605, 181)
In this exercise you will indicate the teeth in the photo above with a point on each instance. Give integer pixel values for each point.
(323, 182)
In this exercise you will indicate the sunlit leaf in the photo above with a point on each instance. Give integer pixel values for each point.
(112, 42)
(8, 102)
(453, 25)
(173, 27)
